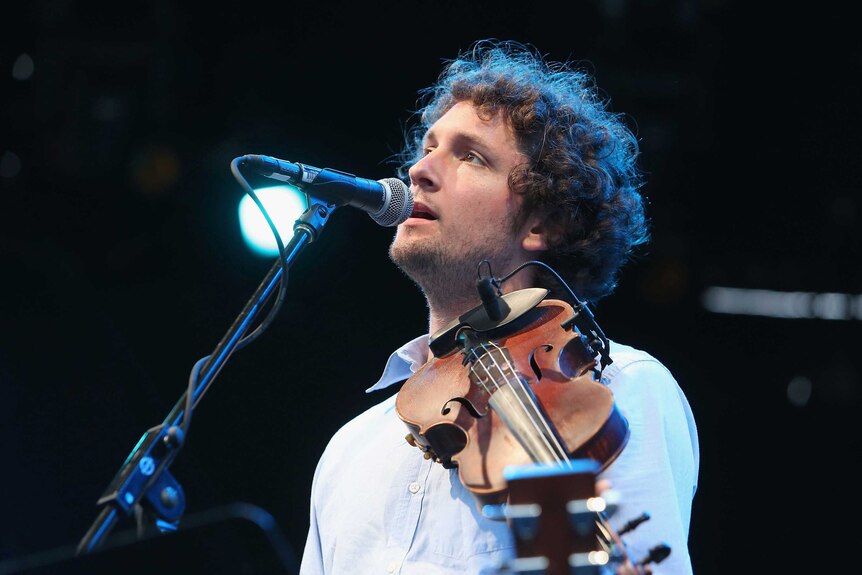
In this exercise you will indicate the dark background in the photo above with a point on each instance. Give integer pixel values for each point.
(122, 262)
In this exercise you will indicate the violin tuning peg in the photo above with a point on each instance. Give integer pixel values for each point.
(427, 452)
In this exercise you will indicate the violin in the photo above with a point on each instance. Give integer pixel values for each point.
(524, 390)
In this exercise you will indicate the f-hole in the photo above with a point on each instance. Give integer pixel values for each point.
(467, 405)
(535, 366)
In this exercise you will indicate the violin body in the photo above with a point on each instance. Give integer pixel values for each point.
(470, 419)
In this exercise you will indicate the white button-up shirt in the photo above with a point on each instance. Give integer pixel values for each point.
(378, 506)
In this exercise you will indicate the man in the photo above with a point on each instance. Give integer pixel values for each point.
(514, 160)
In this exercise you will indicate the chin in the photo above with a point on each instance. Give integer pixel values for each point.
(417, 259)
(405, 245)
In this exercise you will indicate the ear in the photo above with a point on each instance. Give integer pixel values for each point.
(535, 237)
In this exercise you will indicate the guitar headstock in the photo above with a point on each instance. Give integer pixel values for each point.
(559, 523)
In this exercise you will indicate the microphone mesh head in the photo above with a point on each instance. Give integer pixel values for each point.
(399, 203)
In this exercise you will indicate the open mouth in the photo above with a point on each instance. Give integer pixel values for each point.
(422, 212)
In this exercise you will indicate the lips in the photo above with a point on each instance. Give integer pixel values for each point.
(422, 212)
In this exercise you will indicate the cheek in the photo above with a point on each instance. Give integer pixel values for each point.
(474, 190)
(493, 206)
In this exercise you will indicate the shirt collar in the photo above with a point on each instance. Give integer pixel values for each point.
(403, 363)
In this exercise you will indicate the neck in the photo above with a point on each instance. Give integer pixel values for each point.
(442, 310)
(441, 313)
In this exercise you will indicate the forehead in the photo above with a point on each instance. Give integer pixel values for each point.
(463, 121)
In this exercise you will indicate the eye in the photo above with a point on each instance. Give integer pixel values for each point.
(426, 151)
(473, 158)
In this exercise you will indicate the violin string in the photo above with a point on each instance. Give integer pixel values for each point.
(561, 456)
(531, 412)
(478, 360)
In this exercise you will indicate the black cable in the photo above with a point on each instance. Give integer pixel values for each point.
(273, 311)
(577, 302)
(578, 306)
(282, 256)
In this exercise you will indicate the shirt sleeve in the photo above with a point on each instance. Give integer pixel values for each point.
(656, 473)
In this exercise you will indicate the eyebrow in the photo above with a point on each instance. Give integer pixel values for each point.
(467, 138)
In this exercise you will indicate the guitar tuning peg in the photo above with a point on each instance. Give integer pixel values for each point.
(582, 512)
(656, 555)
(524, 520)
(631, 525)
(607, 503)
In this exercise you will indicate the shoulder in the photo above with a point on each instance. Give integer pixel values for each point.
(636, 371)
(370, 418)
(366, 431)
(627, 358)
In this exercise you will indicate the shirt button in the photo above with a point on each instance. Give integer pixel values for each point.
(414, 487)
(393, 565)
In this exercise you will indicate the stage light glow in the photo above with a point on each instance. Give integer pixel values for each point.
(283, 204)
(787, 305)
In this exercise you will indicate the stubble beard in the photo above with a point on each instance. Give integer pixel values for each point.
(447, 274)
(441, 276)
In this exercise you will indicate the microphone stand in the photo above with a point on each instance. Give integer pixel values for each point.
(144, 479)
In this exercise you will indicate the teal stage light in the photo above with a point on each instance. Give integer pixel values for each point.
(283, 204)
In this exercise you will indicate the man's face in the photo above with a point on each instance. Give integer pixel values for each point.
(464, 209)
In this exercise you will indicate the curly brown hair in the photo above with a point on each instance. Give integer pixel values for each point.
(582, 174)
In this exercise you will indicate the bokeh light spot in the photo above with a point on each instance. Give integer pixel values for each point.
(23, 67)
(283, 204)
(799, 391)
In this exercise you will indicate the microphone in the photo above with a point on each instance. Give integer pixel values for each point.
(490, 300)
(389, 201)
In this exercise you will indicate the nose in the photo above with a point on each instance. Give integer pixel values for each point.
(424, 174)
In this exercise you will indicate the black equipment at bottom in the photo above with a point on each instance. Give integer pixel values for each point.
(238, 538)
